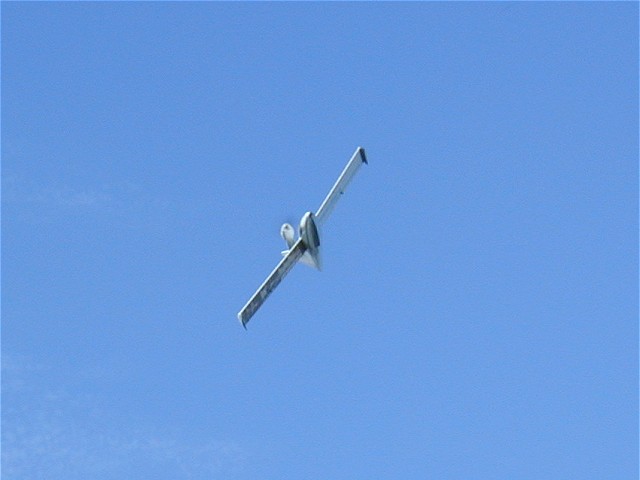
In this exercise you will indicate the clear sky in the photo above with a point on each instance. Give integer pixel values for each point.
(477, 315)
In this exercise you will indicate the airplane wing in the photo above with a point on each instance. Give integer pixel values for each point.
(272, 281)
(340, 186)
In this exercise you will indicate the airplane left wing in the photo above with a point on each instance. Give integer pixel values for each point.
(272, 281)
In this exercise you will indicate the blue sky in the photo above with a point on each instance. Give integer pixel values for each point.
(477, 315)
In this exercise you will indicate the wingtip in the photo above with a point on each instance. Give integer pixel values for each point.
(362, 154)
(242, 322)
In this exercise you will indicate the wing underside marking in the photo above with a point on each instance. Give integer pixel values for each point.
(272, 281)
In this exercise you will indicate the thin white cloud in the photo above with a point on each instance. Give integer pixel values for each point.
(16, 191)
(56, 435)
(131, 204)
(87, 198)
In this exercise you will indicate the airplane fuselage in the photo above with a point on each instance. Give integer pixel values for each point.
(311, 238)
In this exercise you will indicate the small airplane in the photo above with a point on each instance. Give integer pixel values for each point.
(306, 248)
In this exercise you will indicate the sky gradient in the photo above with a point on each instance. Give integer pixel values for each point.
(477, 314)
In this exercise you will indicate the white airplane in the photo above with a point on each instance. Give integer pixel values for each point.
(306, 248)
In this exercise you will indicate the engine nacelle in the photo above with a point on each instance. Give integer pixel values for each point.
(287, 233)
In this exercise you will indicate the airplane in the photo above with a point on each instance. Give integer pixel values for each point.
(306, 249)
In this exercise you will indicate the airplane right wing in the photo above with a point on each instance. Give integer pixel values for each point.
(340, 186)
(272, 281)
